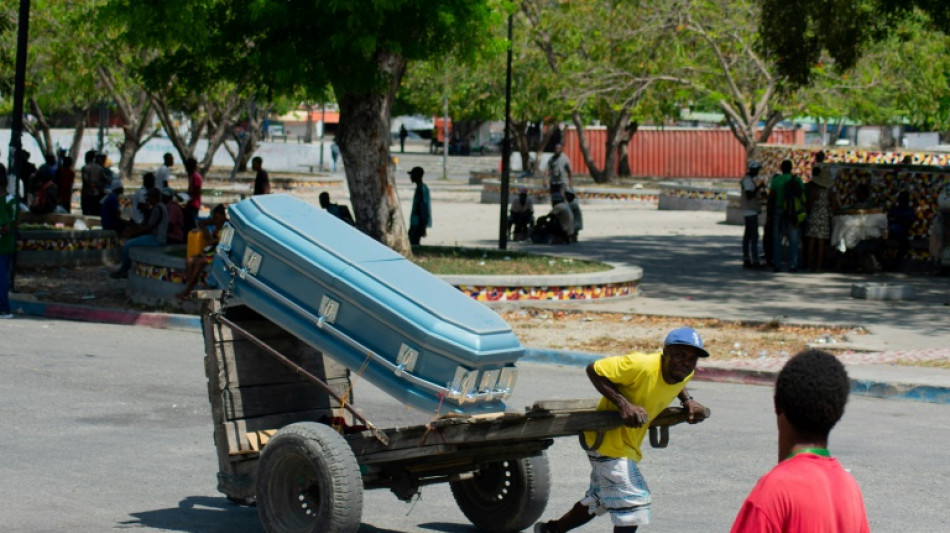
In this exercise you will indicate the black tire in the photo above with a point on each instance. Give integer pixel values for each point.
(505, 496)
(308, 481)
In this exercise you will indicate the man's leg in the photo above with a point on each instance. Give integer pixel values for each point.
(793, 237)
(142, 241)
(576, 517)
(777, 226)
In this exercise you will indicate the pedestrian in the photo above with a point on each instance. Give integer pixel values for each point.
(421, 214)
(639, 386)
(111, 213)
(164, 173)
(521, 215)
(194, 193)
(558, 173)
(195, 265)
(563, 231)
(176, 217)
(65, 179)
(139, 211)
(808, 490)
(750, 204)
(153, 234)
(403, 133)
(822, 205)
(575, 206)
(334, 153)
(340, 211)
(784, 189)
(8, 209)
(93, 176)
(261, 179)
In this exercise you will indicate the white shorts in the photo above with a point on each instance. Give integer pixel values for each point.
(617, 487)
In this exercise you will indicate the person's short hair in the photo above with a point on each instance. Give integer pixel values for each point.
(219, 209)
(324, 199)
(148, 180)
(257, 159)
(90, 156)
(154, 194)
(168, 155)
(786, 166)
(811, 391)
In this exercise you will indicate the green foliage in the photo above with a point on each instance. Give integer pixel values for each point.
(298, 46)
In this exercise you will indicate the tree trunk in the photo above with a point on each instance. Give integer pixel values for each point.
(623, 157)
(519, 142)
(137, 114)
(364, 139)
(79, 119)
(39, 130)
(616, 126)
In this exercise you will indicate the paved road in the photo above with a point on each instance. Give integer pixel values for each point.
(108, 427)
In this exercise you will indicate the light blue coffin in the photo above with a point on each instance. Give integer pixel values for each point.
(405, 330)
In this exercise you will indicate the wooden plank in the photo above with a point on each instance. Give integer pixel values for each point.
(251, 402)
(241, 363)
(235, 432)
(518, 428)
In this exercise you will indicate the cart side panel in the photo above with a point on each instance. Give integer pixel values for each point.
(252, 394)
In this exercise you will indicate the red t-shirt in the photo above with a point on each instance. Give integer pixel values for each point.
(805, 494)
(194, 190)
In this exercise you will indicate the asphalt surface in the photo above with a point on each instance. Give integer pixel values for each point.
(108, 428)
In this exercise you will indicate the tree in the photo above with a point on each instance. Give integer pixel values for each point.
(797, 32)
(719, 39)
(608, 57)
(359, 49)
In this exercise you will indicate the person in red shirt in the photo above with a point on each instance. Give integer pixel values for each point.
(194, 194)
(808, 490)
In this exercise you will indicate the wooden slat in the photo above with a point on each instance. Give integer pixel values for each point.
(234, 433)
(251, 402)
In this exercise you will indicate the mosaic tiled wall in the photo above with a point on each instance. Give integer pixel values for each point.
(586, 292)
(64, 244)
(884, 174)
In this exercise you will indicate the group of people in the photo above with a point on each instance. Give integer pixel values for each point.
(807, 491)
(564, 222)
(795, 209)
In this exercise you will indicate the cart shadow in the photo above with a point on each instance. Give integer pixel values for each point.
(198, 514)
(441, 527)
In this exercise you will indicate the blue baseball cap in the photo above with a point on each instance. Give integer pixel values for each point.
(686, 337)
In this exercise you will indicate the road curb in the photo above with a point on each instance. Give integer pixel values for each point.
(83, 313)
(859, 387)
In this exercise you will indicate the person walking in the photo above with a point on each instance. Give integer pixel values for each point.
(403, 133)
(261, 178)
(639, 386)
(421, 214)
(558, 174)
(783, 190)
(8, 209)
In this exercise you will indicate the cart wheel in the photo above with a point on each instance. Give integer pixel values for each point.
(505, 496)
(308, 480)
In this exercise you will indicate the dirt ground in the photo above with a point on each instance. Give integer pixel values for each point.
(607, 333)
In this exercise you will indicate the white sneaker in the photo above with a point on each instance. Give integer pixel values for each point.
(6, 315)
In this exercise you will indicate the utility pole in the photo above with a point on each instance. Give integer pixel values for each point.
(323, 129)
(16, 132)
(506, 151)
(445, 141)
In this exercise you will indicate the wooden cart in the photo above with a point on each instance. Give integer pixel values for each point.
(289, 439)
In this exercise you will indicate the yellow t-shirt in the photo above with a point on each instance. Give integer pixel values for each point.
(639, 378)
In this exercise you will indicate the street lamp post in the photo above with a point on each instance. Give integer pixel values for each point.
(506, 151)
(16, 159)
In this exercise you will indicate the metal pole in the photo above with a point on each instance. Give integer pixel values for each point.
(16, 132)
(323, 129)
(506, 150)
(445, 142)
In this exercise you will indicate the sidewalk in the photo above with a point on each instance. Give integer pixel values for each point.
(692, 268)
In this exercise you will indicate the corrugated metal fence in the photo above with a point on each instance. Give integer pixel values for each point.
(675, 152)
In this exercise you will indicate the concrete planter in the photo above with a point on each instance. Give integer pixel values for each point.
(67, 247)
(157, 275)
(688, 197)
(491, 193)
(616, 283)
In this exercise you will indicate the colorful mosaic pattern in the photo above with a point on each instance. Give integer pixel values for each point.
(27, 244)
(586, 292)
(164, 274)
(883, 174)
(539, 194)
(696, 194)
(802, 158)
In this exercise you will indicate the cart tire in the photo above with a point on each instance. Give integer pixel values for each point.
(308, 480)
(505, 496)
